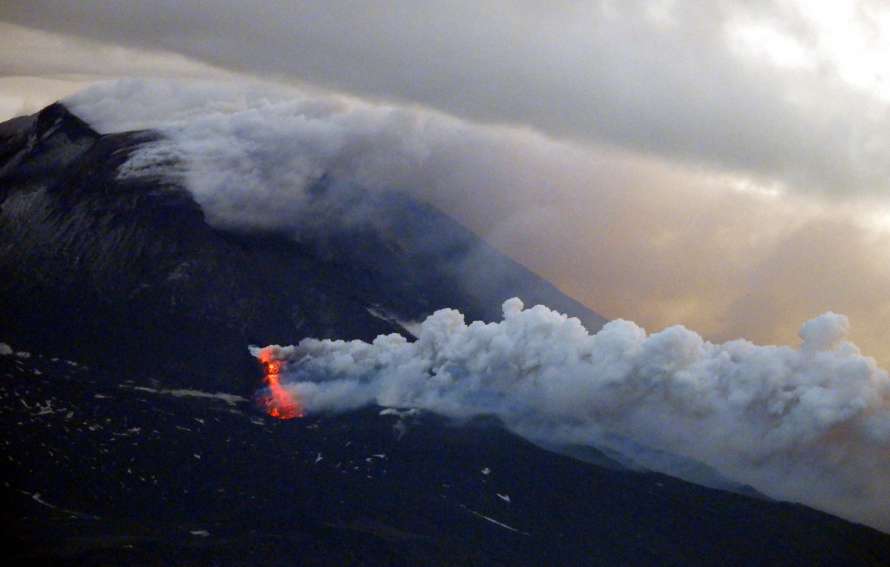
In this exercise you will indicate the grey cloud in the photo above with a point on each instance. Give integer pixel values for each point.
(32, 52)
(807, 424)
(38, 68)
(628, 236)
(609, 72)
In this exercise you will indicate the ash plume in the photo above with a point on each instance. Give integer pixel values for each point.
(627, 235)
(808, 424)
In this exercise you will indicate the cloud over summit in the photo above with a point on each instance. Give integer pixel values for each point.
(758, 89)
(630, 237)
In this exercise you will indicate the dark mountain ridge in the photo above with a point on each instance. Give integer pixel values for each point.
(102, 473)
(130, 435)
(126, 270)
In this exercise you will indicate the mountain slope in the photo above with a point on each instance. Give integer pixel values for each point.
(107, 474)
(124, 269)
(130, 435)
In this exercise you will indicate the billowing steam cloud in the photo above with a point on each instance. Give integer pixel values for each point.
(250, 154)
(810, 425)
(630, 236)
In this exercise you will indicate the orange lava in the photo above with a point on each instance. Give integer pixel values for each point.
(280, 403)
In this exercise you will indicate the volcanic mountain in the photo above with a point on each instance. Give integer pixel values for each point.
(131, 435)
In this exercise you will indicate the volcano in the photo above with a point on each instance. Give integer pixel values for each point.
(129, 424)
(278, 402)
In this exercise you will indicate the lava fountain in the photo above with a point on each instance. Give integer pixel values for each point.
(278, 402)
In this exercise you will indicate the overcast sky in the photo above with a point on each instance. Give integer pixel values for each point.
(744, 146)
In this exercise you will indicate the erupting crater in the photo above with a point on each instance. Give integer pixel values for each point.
(278, 402)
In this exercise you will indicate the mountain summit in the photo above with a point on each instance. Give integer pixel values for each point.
(132, 437)
(124, 269)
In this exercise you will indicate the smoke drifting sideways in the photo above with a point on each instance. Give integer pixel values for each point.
(628, 235)
(808, 424)
(625, 234)
(251, 154)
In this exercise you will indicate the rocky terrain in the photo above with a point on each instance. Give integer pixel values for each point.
(131, 436)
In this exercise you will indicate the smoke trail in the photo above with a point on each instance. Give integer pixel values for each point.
(629, 236)
(626, 234)
(251, 155)
(810, 425)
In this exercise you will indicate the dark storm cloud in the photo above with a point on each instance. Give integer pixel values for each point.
(664, 77)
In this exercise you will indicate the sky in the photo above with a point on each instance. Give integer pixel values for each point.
(722, 165)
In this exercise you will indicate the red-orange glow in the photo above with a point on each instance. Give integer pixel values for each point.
(279, 403)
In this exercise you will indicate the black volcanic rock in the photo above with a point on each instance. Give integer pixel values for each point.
(118, 447)
(99, 473)
(125, 270)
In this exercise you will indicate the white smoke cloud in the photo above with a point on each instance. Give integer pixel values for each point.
(249, 153)
(627, 235)
(808, 424)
